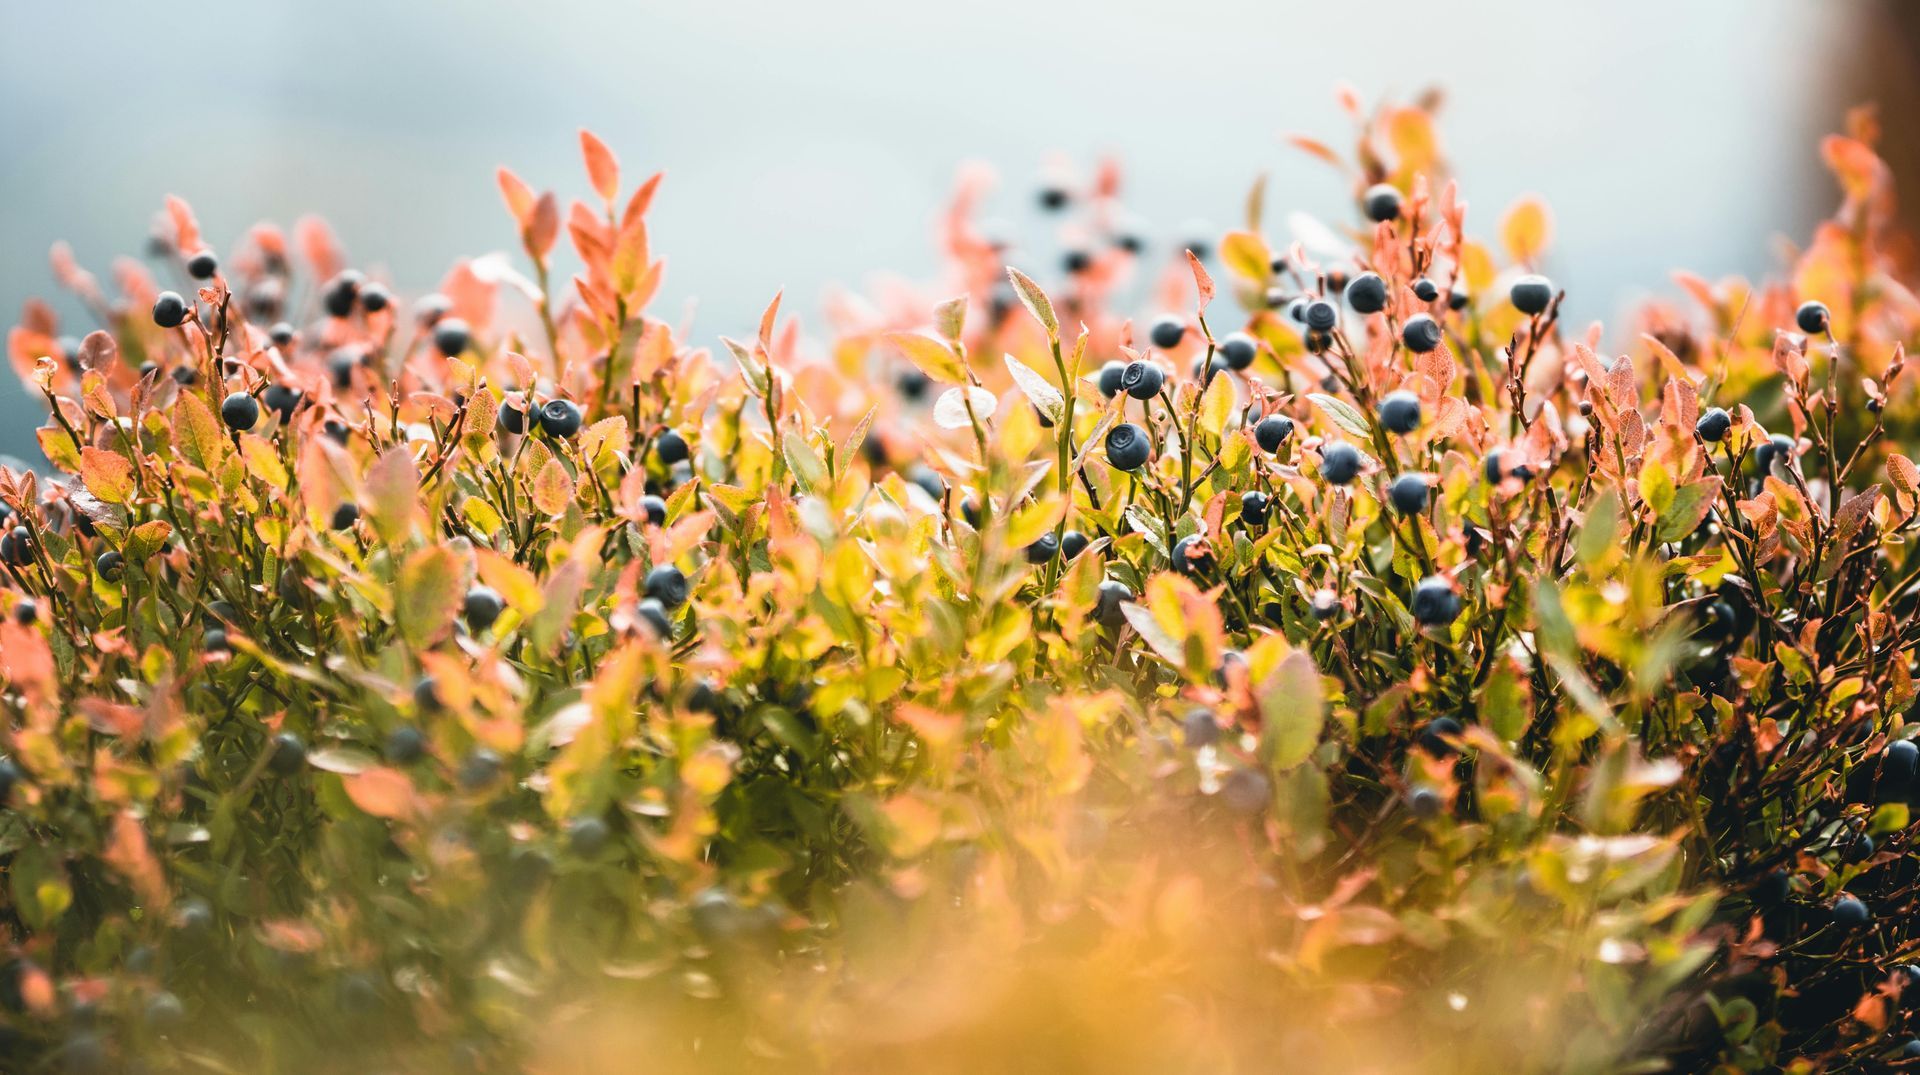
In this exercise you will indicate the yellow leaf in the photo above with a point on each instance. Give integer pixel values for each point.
(1246, 254)
(552, 488)
(1525, 229)
(108, 475)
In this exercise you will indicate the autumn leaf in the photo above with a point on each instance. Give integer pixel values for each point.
(429, 591)
(108, 475)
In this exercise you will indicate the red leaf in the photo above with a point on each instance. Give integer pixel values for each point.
(1201, 280)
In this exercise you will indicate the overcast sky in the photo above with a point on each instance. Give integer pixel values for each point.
(812, 143)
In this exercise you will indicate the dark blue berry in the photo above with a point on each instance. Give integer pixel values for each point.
(1113, 594)
(1201, 729)
(1072, 544)
(1713, 425)
(451, 336)
(1850, 913)
(1812, 317)
(1272, 431)
(203, 265)
(670, 446)
(654, 612)
(1531, 294)
(289, 754)
(1109, 380)
(405, 745)
(1400, 412)
(1127, 447)
(1167, 332)
(1382, 202)
(560, 418)
(1142, 380)
(1408, 494)
(1192, 555)
(667, 584)
(1340, 462)
(1435, 604)
(655, 508)
(1254, 506)
(345, 516)
(170, 310)
(1239, 350)
(1046, 548)
(1421, 333)
(1367, 294)
(481, 607)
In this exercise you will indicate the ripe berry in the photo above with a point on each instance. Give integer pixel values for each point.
(426, 695)
(655, 614)
(513, 419)
(560, 418)
(655, 508)
(1109, 380)
(1239, 350)
(586, 836)
(223, 611)
(1044, 549)
(1494, 466)
(341, 293)
(214, 641)
(1076, 261)
(10, 778)
(1421, 333)
(1408, 494)
(1167, 332)
(1382, 203)
(482, 607)
(1325, 605)
(1297, 308)
(913, 384)
(405, 745)
(1192, 555)
(670, 446)
(1457, 299)
(1812, 317)
(1425, 290)
(666, 584)
(281, 400)
(1713, 424)
(1072, 544)
(1367, 294)
(345, 516)
(1254, 506)
(185, 375)
(1201, 729)
(1779, 449)
(928, 479)
(281, 334)
(1321, 316)
(1246, 791)
(16, 546)
(1340, 462)
(1423, 802)
(1435, 604)
(1900, 761)
(451, 336)
(1436, 738)
(341, 365)
(203, 265)
(1053, 198)
(1531, 294)
(1127, 447)
(1272, 430)
(1850, 913)
(479, 768)
(374, 298)
(1142, 380)
(1113, 594)
(170, 310)
(111, 565)
(1400, 412)
(25, 612)
(336, 431)
(1130, 242)
(289, 754)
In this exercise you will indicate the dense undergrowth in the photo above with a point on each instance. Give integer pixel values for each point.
(1347, 662)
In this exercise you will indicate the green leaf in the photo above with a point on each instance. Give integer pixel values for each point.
(950, 317)
(803, 460)
(1046, 398)
(147, 539)
(428, 593)
(1343, 415)
(196, 431)
(1036, 301)
(1293, 709)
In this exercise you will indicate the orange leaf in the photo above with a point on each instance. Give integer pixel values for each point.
(1201, 280)
(1525, 229)
(519, 196)
(382, 792)
(603, 170)
(108, 475)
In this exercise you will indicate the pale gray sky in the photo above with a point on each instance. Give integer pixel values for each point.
(812, 143)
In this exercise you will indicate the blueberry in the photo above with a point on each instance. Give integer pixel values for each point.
(1044, 549)
(655, 508)
(1713, 425)
(1130, 242)
(1076, 261)
(1421, 333)
(281, 400)
(560, 418)
(405, 745)
(1336, 280)
(289, 754)
(1321, 316)
(16, 546)
(1494, 466)
(1246, 791)
(1239, 350)
(336, 431)
(1900, 761)
(341, 365)
(928, 479)
(1340, 462)
(1382, 202)
(1408, 494)
(1072, 544)
(1773, 888)
(654, 612)
(1254, 506)
(203, 265)
(1297, 308)
(1112, 595)
(451, 336)
(281, 335)
(111, 565)
(912, 383)
(479, 768)
(587, 836)
(170, 310)
(512, 419)
(1127, 447)
(265, 299)
(163, 1009)
(1911, 1049)
(1779, 449)
(10, 778)
(1860, 848)
(1367, 294)
(1435, 604)
(1201, 729)
(214, 641)
(1458, 298)
(345, 516)
(1167, 332)
(1192, 556)
(1272, 430)
(667, 584)
(1531, 294)
(1850, 913)
(426, 695)
(670, 446)
(1142, 380)
(1425, 290)
(341, 293)
(1812, 317)
(25, 611)
(1435, 737)
(1109, 381)
(223, 611)
(1325, 605)
(1400, 412)
(1054, 198)
(481, 607)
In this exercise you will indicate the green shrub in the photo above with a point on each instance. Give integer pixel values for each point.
(509, 683)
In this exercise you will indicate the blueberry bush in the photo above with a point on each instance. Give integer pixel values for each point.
(1348, 660)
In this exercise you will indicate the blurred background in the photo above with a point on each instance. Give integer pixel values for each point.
(814, 143)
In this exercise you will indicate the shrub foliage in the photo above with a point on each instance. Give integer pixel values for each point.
(1352, 662)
